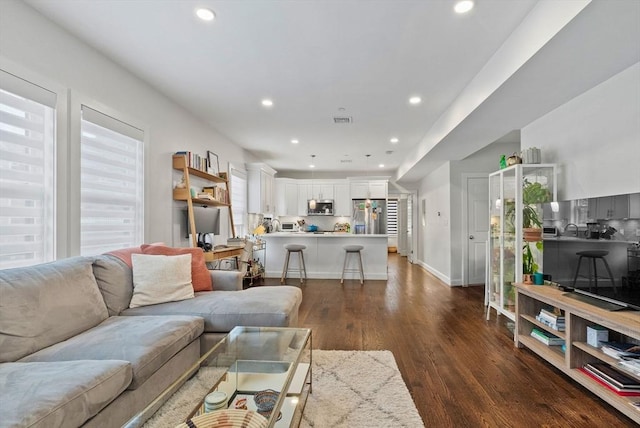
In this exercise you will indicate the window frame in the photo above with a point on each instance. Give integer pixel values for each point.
(77, 100)
(61, 150)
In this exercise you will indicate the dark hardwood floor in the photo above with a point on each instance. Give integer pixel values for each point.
(461, 370)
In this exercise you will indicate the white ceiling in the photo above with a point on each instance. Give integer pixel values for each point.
(312, 58)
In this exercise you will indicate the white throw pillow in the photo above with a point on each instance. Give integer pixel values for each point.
(160, 279)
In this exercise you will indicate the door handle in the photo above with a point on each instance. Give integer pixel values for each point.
(471, 237)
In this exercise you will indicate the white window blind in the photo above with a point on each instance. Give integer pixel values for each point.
(392, 217)
(112, 184)
(27, 173)
(239, 201)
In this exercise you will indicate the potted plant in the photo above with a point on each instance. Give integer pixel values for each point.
(529, 265)
(533, 194)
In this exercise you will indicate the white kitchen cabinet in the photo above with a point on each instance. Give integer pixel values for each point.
(634, 205)
(286, 196)
(261, 184)
(342, 201)
(322, 190)
(609, 207)
(371, 189)
(304, 194)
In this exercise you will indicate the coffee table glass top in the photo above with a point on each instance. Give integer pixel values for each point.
(246, 362)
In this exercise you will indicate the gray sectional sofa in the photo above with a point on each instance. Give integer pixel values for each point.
(72, 352)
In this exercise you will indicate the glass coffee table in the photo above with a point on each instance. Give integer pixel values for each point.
(250, 363)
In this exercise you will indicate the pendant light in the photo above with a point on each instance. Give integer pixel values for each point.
(312, 201)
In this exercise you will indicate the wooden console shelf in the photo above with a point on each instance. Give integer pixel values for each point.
(622, 326)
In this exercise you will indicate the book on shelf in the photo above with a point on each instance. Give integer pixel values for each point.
(631, 366)
(195, 161)
(621, 349)
(553, 324)
(613, 376)
(635, 404)
(618, 391)
(551, 315)
(547, 338)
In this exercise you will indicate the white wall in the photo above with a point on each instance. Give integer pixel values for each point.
(30, 41)
(594, 139)
(486, 161)
(434, 242)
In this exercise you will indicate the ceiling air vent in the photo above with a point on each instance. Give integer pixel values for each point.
(345, 161)
(342, 119)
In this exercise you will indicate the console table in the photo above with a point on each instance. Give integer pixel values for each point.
(622, 326)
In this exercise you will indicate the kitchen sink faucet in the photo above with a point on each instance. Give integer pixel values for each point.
(571, 224)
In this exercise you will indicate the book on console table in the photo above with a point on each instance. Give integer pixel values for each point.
(547, 338)
(620, 349)
(613, 376)
(618, 391)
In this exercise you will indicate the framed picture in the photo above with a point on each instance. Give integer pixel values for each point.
(213, 165)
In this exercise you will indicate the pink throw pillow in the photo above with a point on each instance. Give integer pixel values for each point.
(200, 277)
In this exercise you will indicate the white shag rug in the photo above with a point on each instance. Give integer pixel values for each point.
(354, 389)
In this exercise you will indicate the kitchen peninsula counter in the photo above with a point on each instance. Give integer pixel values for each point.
(324, 255)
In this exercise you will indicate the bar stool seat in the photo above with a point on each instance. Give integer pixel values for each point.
(298, 249)
(352, 249)
(591, 257)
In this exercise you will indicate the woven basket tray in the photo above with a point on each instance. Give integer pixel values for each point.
(228, 418)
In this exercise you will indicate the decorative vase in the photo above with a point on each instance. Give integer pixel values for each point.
(528, 278)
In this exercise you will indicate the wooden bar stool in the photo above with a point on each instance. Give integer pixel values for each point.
(294, 248)
(352, 249)
(591, 257)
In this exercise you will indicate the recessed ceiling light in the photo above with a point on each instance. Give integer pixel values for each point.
(394, 140)
(267, 102)
(205, 14)
(415, 100)
(463, 6)
(294, 141)
(312, 166)
(381, 165)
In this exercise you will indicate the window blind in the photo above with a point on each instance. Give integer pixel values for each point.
(392, 217)
(112, 184)
(239, 201)
(27, 173)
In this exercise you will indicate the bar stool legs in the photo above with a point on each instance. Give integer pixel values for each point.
(293, 248)
(591, 257)
(352, 249)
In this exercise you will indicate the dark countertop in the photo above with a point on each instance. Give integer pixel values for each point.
(587, 241)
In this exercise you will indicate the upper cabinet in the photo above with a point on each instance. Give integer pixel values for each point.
(286, 194)
(261, 188)
(368, 189)
(342, 200)
(613, 207)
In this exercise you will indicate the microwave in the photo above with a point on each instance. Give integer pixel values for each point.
(320, 207)
(289, 226)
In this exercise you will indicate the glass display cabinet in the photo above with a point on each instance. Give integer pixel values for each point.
(516, 195)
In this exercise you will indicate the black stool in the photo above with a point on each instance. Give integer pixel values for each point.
(593, 277)
(294, 248)
(355, 250)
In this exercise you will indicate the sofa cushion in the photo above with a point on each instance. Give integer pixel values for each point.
(269, 306)
(160, 279)
(46, 304)
(199, 273)
(146, 342)
(115, 281)
(59, 394)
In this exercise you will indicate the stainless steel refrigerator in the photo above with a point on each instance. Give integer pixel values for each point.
(369, 216)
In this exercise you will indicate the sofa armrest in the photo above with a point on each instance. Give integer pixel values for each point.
(226, 280)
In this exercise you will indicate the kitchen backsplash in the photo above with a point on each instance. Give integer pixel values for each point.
(324, 223)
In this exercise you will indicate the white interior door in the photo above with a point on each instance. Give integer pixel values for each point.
(410, 224)
(477, 230)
